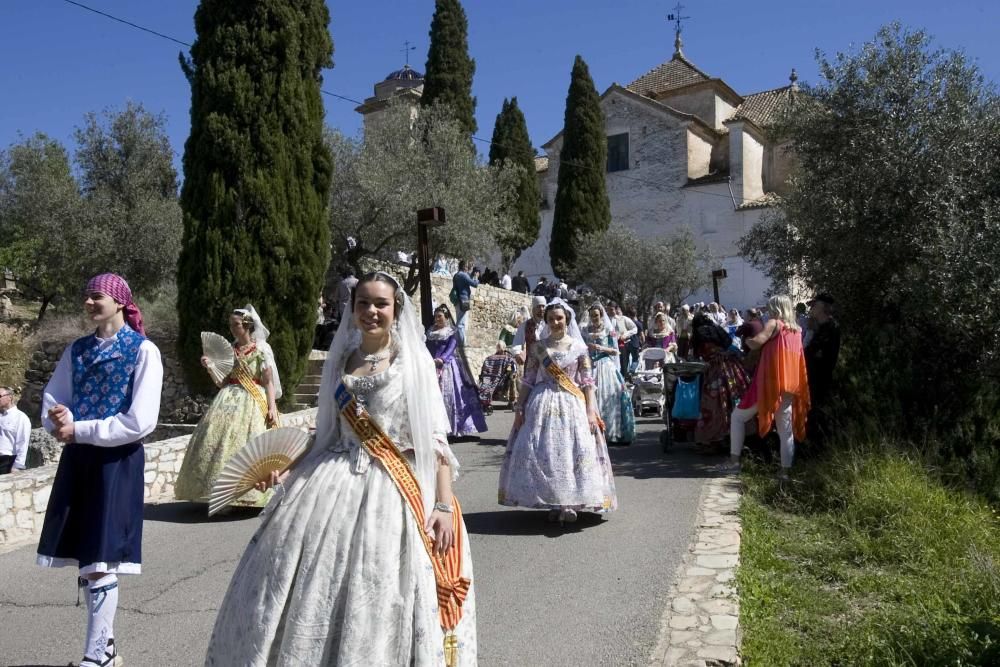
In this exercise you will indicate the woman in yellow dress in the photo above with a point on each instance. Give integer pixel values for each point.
(244, 407)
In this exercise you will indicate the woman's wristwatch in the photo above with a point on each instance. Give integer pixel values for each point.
(441, 507)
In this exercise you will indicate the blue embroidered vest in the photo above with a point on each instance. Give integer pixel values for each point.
(102, 379)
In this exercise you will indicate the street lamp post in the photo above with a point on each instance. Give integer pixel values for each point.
(426, 217)
(717, 275)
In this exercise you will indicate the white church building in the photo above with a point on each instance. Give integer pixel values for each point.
(685, 150)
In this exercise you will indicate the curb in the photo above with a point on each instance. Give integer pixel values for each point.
(700, 627)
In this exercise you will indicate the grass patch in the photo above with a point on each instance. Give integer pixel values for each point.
(867, 559)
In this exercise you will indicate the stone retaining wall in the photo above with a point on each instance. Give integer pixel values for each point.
(491, 310)
(24, 494)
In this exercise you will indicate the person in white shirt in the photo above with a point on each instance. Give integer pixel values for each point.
(531, 329)
(717, 314)
(505, 281)
(15, 432)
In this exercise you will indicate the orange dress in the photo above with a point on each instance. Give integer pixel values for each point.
(781, 370)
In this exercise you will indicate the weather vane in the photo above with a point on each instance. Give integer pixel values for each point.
(677, 18)
(406, 51)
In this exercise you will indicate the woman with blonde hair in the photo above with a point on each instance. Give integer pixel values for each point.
(779, 390)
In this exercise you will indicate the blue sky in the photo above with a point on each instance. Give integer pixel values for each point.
(63, 61)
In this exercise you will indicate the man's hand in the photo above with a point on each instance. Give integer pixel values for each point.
(65, 433)
(59, 414)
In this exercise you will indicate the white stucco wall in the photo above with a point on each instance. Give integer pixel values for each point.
(746, 152)
(649, 198)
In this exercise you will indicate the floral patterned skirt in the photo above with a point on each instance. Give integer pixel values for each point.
(230, 422)
(723, 384)
(554, 461)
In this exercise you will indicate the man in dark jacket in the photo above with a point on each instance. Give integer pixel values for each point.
(520, 284)
(821, 358)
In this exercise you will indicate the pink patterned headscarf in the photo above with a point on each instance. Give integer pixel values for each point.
(115, 286)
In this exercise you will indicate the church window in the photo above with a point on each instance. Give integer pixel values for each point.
(618, 152)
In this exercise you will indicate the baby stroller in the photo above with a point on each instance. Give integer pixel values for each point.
(496, 380)
(682, 398)
(647, 381)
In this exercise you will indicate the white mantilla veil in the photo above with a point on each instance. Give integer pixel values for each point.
(605, 320)
(259, 335)
(424, 404)
(572, 328)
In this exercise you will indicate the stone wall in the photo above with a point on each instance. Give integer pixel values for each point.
(24, 494)
(492, 308)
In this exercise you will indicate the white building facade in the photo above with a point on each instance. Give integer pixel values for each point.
(685, 151)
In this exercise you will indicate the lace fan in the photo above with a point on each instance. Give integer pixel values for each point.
(271, 451)
(220, 355)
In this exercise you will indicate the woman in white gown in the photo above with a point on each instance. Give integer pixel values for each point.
(556, 456)
(338, 572)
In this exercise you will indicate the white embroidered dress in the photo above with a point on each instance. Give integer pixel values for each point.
(337, 573)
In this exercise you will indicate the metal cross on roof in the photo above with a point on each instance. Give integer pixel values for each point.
(676, 17)
(406, 51)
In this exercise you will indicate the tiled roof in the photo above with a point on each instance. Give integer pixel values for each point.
(763, 108)
(541, 163)
(675, 73)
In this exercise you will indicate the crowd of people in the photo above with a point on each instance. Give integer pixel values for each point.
(365, 525)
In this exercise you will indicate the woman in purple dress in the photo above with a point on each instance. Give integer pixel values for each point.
(461, 394)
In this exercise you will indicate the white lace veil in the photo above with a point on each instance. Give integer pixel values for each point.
(572, 328)
(605, 320)
(259, 335)
(424, 404)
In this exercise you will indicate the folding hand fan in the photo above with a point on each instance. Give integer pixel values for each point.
(271, 451)
(220, 355)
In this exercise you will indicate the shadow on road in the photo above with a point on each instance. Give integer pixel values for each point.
(183, 512)
(645, 458)
(525, 522)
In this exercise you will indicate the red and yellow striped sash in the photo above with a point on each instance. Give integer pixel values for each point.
(242, 374)
(452, 587)
(560, 376)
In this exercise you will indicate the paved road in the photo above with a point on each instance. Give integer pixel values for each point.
(590, 594)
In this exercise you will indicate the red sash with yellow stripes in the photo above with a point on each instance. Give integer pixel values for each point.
(452, 587)
(560, 376)
(566, 382)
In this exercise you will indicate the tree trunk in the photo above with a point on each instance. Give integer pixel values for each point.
(46, 300)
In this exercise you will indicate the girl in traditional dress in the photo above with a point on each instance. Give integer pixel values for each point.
(722, 384)
(461, 393)
(614, 400)
(340, 572)
(780, 388)
(102, 400)
(243, 408)
(556, 455)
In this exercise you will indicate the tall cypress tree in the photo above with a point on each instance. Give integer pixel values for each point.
(256, 175)
(511, 143)
(582, 205)
(449, 70)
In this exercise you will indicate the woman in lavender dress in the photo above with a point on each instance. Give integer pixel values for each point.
(556, 457)
(461, 393)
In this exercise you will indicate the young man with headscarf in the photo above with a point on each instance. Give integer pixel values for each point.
(102, 400)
